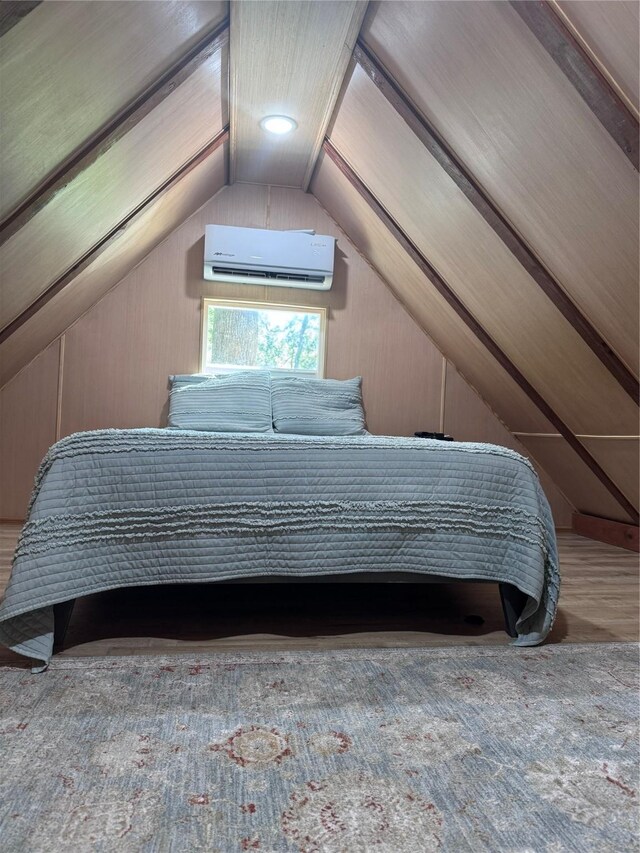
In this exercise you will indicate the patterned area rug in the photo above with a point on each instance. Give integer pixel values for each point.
(459, 749)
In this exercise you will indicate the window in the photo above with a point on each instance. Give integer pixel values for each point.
(251, 335)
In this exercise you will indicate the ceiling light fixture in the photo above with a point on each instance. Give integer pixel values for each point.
(278, 124)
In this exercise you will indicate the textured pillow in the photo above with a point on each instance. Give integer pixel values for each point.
(182, 379)
(238, 402)
(317, 406)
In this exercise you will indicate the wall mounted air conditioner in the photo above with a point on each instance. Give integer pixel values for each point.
(277, 258)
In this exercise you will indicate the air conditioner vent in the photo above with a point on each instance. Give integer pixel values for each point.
(280, 276)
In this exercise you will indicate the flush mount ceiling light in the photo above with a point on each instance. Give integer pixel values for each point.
(278, 124)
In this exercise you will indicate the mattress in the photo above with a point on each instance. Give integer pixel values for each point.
(119, 508)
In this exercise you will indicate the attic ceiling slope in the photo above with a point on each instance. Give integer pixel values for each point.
(537, 331)
(567, 52)
(68, 68)
(214, 42)
(483, 274)
(103, 196)
(609, 33)
(13, 11)
(464, 180)
(500, 102)
(138, 154)
(449, 295)
(286, 58)
(130, 246)
(576, 479)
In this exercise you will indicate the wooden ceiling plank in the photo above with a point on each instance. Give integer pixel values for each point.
(116, 129)
(114, 264)
(432, 313)
(286, 58)
(501, 102)
(70, 67)
(594, 88)
(608, 32)
(465, 181)
(452, 299)
(91, 254)
(13, 11)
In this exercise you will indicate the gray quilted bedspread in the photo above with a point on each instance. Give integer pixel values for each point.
(117, 508)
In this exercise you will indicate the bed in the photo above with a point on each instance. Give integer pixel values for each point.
(122, 508)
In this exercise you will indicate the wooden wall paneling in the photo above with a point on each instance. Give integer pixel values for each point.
(576, 64)
(422, 301)
(502, 227)
(161, 301)
(496, 97)
(401, 368)
(28, 407)
(213, 43)
(81, 214)
(578, 483)
(150, 325)
(440, 220)
(443, 289)
(468, 418)
(165, 214)
(609, 31)
(465, 414)
(94, 251)
(620, 458)
(13, 11)
(286, 59)
(121, 49)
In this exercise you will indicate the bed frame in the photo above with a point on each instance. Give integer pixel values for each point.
(511, 597)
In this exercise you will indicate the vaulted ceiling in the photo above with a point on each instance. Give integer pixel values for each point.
(482, 156)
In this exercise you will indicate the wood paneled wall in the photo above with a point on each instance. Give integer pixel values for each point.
(508, 112)
(68, 68)
(28, 416)
(121, 256)
(467, 417)
(117, 357)
(493, 383)
(609, 32)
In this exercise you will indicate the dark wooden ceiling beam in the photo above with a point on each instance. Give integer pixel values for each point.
(116, 232)
(576, 64)
(13, 11)
(470, 321)
(465, 181)
(117, 127)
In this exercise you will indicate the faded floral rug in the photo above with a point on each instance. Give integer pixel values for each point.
(458, 749)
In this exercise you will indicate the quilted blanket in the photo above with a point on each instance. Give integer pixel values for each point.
(118, 508)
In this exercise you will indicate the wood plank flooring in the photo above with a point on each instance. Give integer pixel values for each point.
(599, 603)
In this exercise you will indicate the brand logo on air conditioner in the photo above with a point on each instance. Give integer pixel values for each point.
(226, 254)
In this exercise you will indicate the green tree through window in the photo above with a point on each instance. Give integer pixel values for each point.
(273, 338)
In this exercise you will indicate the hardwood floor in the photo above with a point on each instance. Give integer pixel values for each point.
(598, 603)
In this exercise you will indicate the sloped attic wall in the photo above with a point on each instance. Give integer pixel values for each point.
(108, 142)
(503, 212)
(110, 368)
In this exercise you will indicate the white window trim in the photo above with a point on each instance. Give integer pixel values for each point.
(281, 306)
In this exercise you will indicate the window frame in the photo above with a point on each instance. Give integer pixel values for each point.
(320, 311)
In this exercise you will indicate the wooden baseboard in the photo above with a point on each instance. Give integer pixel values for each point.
(604, 530)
